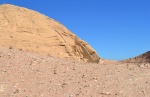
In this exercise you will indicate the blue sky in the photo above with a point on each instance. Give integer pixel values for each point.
(116, 29)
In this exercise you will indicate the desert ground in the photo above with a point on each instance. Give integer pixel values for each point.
(39, 57)
(24, 74)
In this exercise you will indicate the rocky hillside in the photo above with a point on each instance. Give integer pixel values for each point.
(25, 29)
(143, 58)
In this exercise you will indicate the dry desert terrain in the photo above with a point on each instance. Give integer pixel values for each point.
(39, 57)
(24, 74)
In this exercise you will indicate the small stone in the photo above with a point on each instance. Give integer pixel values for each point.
(17, 91)
(55, 72)
(142, 66)
(11, 37)
(10, 47)
(107, 93)
(20, 49)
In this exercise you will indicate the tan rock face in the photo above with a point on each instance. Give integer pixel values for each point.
(21, 28)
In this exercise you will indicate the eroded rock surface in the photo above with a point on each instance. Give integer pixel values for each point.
(24, 29)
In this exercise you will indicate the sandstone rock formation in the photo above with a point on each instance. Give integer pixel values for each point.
(24, 29)
(143, 58)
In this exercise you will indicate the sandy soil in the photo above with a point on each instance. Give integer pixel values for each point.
(24, 74)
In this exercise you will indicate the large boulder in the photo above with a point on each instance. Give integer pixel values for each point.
(24, 29)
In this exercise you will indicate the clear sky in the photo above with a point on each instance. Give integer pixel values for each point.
(116, 29)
